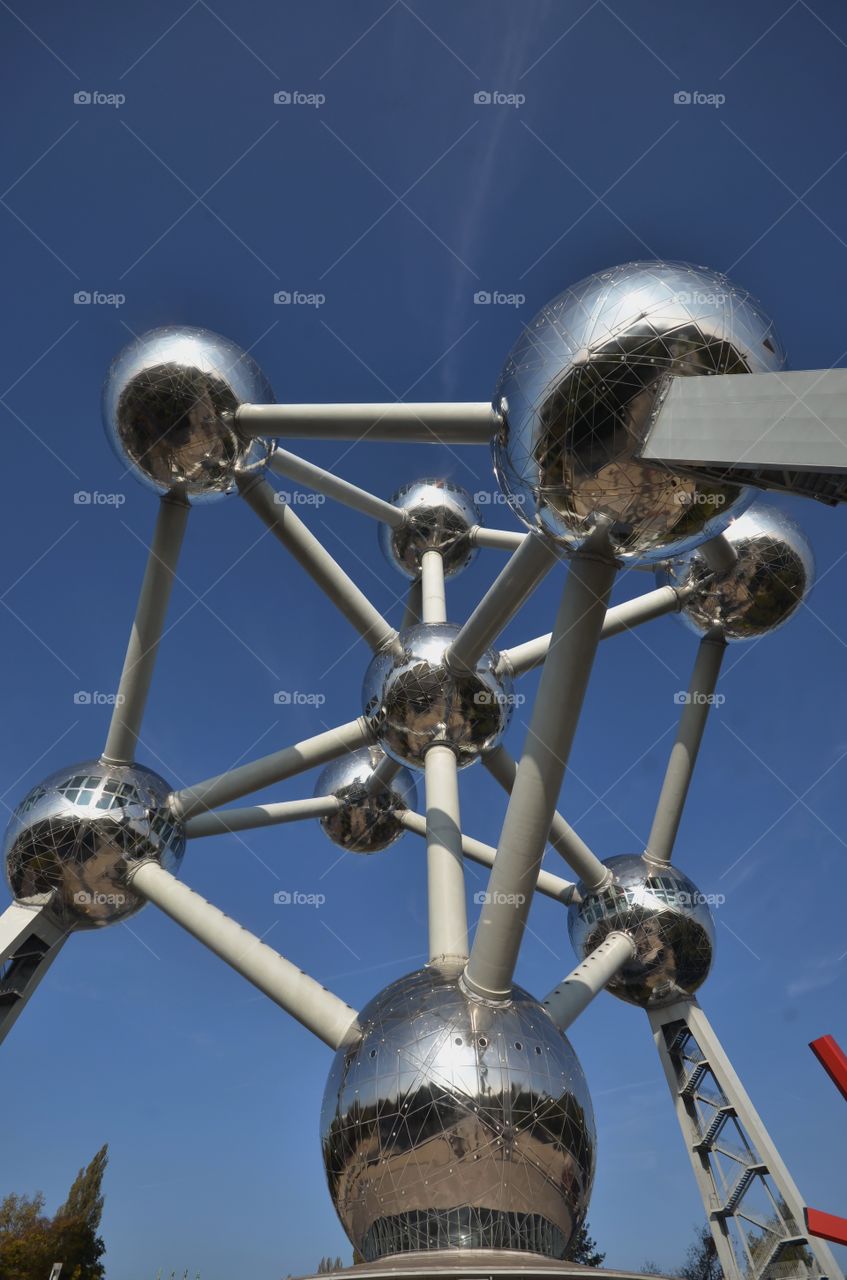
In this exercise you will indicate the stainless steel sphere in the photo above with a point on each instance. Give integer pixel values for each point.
(414, 701)
(76, 834)
(667, 916)
(439, 517)
(578, 390)
(169, 410)
(366, 821)
(773, 574)
(457, 1124)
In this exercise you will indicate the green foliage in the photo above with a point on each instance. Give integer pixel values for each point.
(701, 1259)
(30, 1242)
(583, 1249)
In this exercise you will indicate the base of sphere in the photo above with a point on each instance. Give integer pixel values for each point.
(477, 1264)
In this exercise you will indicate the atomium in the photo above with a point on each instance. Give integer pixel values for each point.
(669, 920)
(367, 820)
(169, 410)
(577, 394)
(455, 1123)
(772, 576)
(413, 700)
(77, 833)
(439, 517)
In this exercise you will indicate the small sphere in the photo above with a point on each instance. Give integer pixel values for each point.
(414, 701)
(772, 576)
(457, 1124)
(367, 821)
(439, 517)
(578, 391)
(78, 832)
(169, 410)
(669, 920)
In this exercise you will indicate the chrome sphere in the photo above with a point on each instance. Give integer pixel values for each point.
(366, 821)
(413, 701)
(439, 517)
(457, 1124)
(78, 832)
(578, 390)
(169, 410)
(773, 574)
(667, 916)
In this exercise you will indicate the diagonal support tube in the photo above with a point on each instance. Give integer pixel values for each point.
(290, 466)
(621, 617)
(285, 525)
(323, 1013)
(497, 539)
(683, 757)
(567, 843)
(264, 772)
(575, 992)
(550, 885)
(470, 422)
(260, 815)
(146, 631)
(561, 691)
(532, 560)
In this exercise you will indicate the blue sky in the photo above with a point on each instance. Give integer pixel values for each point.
(397, 199)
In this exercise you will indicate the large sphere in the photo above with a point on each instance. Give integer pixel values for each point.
(667, 916)
(578, 390)
(439, 517)
(77, 833)
(413, 701)
(773, 573)
(169, 409)
(367, 821)
(457, 1124)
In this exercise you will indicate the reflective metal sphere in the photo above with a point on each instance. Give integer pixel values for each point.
(773, 574)
(667, 916)
(168, 407)
(413, 701)
(77, 832)
(578, 390)
(457, 1124)
(440, 517)
(366, 822)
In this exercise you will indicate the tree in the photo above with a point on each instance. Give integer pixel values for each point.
(327, 1265)
(583, 1249)
(30, 1242)
(701, 1257)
